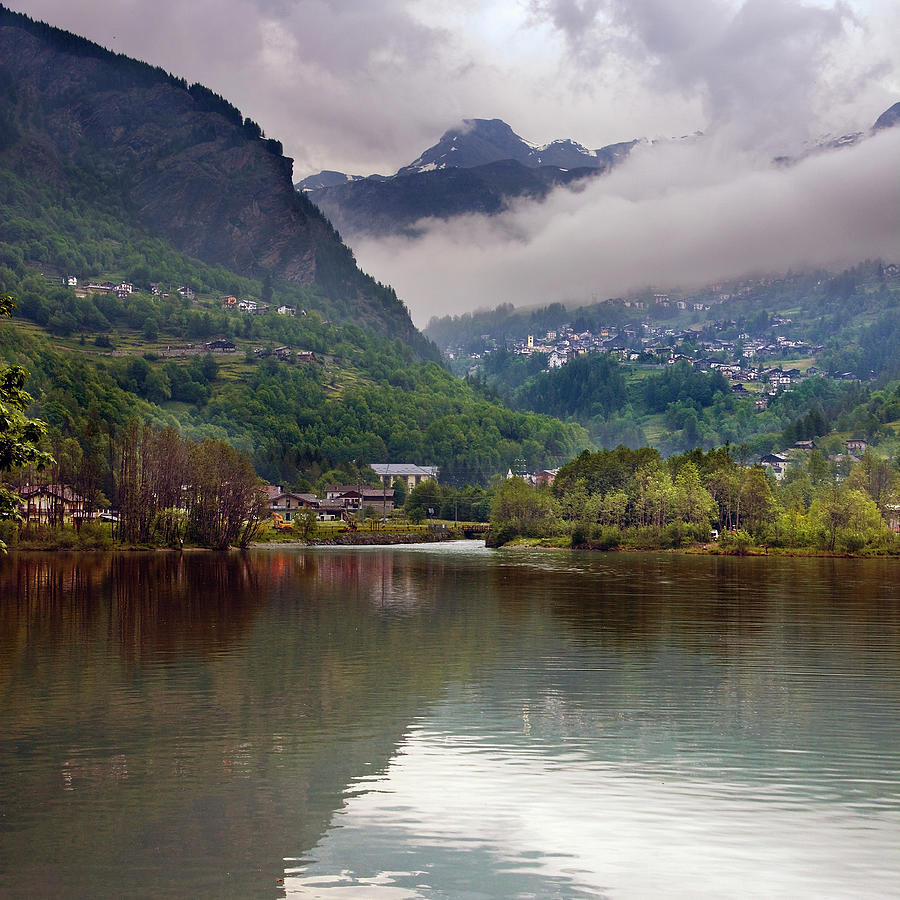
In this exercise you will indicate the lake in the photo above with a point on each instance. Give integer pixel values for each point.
(448, 721)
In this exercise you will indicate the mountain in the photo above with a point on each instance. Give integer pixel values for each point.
(395, 205)
(481, 167)
(478, 167)
(478, 142)
(836, 336)
(332, 179)
(100, 134)
(166, 270)
(889, 118)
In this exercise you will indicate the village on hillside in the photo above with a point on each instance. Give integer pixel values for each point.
(741, 360)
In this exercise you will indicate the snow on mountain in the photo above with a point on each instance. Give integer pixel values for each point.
(477, 142)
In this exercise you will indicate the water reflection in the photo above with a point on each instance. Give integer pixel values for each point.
(691, 719)
(445, 722)
(185, 721)
(449, 813)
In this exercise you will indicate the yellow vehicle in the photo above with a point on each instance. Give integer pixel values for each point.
(279, 524)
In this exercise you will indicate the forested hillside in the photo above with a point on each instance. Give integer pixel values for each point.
(764, 362)
(166, 271)
(301, 396)
(100, 152)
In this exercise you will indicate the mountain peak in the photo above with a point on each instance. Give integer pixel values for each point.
(474, 142)
(479, 142)
(889, 118)
(477, 166)
(485, 128)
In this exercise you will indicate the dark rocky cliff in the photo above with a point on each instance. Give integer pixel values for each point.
(374, 206)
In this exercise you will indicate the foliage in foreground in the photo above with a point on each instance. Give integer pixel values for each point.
(20, 436)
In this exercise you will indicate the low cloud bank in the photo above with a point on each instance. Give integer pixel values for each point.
(680, 214)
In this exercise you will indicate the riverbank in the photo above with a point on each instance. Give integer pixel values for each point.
(70, 541)
(366, 539)
(700, 549)
(67, 539)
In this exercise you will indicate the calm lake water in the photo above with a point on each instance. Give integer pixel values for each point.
(448, 722)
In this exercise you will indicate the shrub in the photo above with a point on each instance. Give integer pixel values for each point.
(607, 538)
(497, 537)
(9, 533)
(95, 535)
(736, 543)
(581, 534)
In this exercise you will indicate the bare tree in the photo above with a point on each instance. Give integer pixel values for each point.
(152, 472)
(226, 505)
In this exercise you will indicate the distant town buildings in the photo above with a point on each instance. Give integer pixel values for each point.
(741, 356)
(340, 502)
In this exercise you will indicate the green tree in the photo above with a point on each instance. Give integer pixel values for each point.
(151, 329)
(305, 521)
(518, 508)
(424, 501)
(846, 517)
(614, 508)
(400, 492)
(19, 436)
(692, 504)
(877, 477)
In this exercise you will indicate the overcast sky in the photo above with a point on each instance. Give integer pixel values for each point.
(364, 86)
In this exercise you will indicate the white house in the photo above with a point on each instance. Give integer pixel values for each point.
(776, 464)
(412, 474)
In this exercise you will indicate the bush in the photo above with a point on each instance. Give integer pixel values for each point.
(500, 536)
(581, 534)
(674, 535)
(607, 538)
(853, 541)
(95, 535)
(9, 533)
(64, 538)
(736, 543)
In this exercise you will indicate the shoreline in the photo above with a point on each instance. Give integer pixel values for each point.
(700, 550)
(388, 539)
(349, 539)
(365, 539)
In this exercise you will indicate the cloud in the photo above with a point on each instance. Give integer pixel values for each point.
(362, 86)
(320, 76)
(678, 214)
(767, 71)
(357, 86)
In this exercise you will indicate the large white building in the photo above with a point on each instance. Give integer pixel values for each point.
(413, 475)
